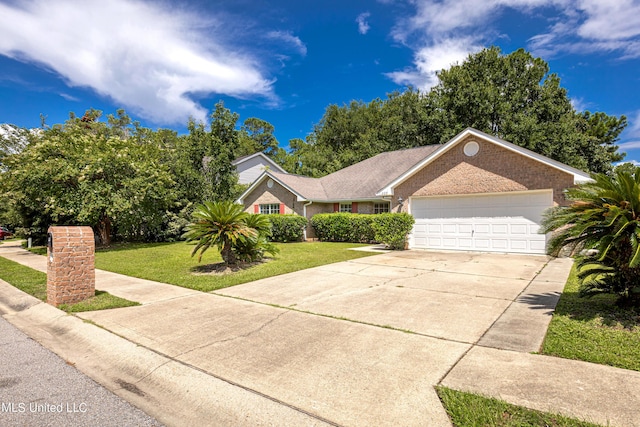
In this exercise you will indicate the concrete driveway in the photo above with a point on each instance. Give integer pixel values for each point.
(331, 343)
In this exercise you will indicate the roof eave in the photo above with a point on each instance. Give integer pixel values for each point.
(578, 175)
(266, 174)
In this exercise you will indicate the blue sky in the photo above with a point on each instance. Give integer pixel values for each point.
(286, 61)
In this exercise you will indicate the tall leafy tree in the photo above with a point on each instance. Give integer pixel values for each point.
(515, 98)
(256, 135)
(83, 173)
(212, 152)
(512, 96)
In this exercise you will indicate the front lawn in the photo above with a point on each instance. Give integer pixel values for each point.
(593, 329)
(172, 262)
(34, 283)
(467, 409)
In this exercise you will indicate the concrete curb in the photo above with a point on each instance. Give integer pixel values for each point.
(172, 392)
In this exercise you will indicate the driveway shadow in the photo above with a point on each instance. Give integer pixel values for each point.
(545, 301)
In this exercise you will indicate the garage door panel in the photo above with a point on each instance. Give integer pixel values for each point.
(449, 228)
(482, 229)
(499, 228)
(504, 223)
(519, 229)
(482, 243)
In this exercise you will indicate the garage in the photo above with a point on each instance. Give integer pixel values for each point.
(504, 222)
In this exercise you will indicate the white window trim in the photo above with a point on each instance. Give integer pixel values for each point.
(345, 207)
(377, 208)
(268, 208)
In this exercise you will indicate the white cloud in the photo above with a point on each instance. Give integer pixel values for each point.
(69, 97)
(429, 60)
(576, 26)
(363, 25)
(290, 39)
(578, 104)
(143, 56)
(610, 20)
(631, 135)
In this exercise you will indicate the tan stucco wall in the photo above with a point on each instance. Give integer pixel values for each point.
(493, 169)
(262, 194)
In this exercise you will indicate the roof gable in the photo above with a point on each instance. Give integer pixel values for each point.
(263, 157)
(578, 175)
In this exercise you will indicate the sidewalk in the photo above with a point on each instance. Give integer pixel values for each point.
(188, 357)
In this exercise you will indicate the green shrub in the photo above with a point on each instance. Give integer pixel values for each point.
(253, 248)
(392, 228)
(286, 228)
(344, 227)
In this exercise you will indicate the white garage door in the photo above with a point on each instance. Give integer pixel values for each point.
(492, 223)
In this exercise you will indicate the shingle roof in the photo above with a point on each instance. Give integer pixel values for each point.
(307, 187)
(359, 181)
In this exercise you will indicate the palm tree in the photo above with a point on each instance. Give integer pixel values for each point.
(254, 248)
(605, 216)
(222, 224)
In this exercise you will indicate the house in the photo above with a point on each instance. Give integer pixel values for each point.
(476, 192)
(250, 167)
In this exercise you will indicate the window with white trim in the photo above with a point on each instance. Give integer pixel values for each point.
(345, 207)
(380, 208)
(271, 208)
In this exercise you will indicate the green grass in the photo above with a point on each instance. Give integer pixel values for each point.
(34, 283)
(24, 278)
(102, 301)
(467, 409)
(172, 262)
(593, 329)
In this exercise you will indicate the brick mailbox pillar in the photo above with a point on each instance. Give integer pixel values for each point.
(70, 265)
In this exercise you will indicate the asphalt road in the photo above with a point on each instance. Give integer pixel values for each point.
(38, 388)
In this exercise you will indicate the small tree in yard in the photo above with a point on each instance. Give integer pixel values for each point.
(604, 215)
(238, 235)
(220, 224)
(253, 248)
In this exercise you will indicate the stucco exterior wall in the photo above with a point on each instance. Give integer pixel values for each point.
(262, 194)
(493, 169)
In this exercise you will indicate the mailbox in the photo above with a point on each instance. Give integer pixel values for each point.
(50, 246)
(70, 264)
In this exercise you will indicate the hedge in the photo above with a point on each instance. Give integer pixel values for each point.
(286, 228)
(388, 228)
(344, 227)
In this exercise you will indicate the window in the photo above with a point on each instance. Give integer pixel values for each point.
(380, 208)
(345, 207)
(272, 208)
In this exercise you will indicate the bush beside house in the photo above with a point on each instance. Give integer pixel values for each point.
(344, 227)
(286, 228)
(388, 228)
(392, 229)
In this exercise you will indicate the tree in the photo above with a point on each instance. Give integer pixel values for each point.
(604, 215)
(513, 97)
(82, 173)
(221, 224)
(253, 248)
(256, 136)
(13, 139)
(212, 153)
